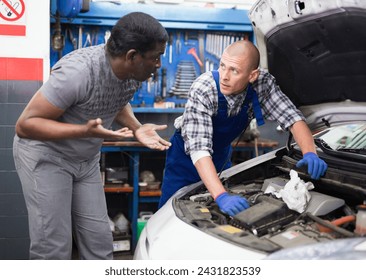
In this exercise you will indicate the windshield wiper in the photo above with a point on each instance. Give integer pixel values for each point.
(338, 153)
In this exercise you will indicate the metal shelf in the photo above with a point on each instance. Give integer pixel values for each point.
(134, 148)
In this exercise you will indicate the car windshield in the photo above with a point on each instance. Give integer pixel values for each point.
(346, 138)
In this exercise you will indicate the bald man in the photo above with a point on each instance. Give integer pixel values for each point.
(220, 106)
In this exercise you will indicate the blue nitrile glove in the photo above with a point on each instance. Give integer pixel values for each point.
(231, 204)
(316, 166)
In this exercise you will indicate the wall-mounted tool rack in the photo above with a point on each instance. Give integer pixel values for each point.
(197, 39)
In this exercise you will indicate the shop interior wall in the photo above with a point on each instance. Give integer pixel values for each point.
(24, 65)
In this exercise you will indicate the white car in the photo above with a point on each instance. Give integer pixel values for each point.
(316, 50)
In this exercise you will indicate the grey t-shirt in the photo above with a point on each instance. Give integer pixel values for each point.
(83, 84)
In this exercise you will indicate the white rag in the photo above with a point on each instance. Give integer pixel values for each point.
(295, 193)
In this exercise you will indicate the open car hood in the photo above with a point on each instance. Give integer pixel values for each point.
(314, 48)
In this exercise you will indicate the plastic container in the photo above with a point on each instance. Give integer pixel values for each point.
(361, 220)
(141, 222)
(121, 223)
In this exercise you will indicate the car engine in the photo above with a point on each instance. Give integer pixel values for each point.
(269, 225)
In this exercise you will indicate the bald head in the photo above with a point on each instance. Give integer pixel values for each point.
(245, 49)
(238, 67)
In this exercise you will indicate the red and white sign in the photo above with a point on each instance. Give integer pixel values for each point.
(12, 18)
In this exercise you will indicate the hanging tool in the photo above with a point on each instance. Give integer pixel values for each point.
(88, 41)
(185, 76)
(94, 36)
(186, 38)
(207, 65)
(201, 49)
(72, 39)
(148, 84)
(107, 34)
(80, 39)
(170, 48)
(58, 40)
(178, 44)
(163, 82)
(156, 86)
(193, 52)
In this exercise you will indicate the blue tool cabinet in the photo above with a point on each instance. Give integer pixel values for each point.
(200, 32)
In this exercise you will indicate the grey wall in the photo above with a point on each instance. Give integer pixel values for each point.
(14, 236)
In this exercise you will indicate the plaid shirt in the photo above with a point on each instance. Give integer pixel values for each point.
(202, 104)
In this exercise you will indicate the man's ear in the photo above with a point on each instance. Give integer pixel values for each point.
(131, 54)
(253, 76)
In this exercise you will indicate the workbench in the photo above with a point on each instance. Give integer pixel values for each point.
(134, 148)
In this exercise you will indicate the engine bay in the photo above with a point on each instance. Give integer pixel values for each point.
(269, 225)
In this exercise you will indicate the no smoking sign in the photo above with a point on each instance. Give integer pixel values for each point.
(11, 10)
(12, 18)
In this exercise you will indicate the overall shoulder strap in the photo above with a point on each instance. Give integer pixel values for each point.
(216, 77)
(256, 106)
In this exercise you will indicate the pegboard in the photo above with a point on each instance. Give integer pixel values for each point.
(197, 37)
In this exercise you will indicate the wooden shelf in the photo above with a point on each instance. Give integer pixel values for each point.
(150, 193)
(118, 188)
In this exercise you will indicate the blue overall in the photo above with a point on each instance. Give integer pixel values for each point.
(179, 169)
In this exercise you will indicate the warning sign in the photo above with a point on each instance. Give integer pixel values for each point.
(12, 17)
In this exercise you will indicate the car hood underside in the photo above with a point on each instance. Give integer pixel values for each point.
(316, 55)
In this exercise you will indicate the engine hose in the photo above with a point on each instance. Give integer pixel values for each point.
(329, 225)
(337, 222)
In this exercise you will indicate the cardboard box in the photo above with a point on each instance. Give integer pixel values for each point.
(121, 242)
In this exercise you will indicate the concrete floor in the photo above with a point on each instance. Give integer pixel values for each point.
(123, 256)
